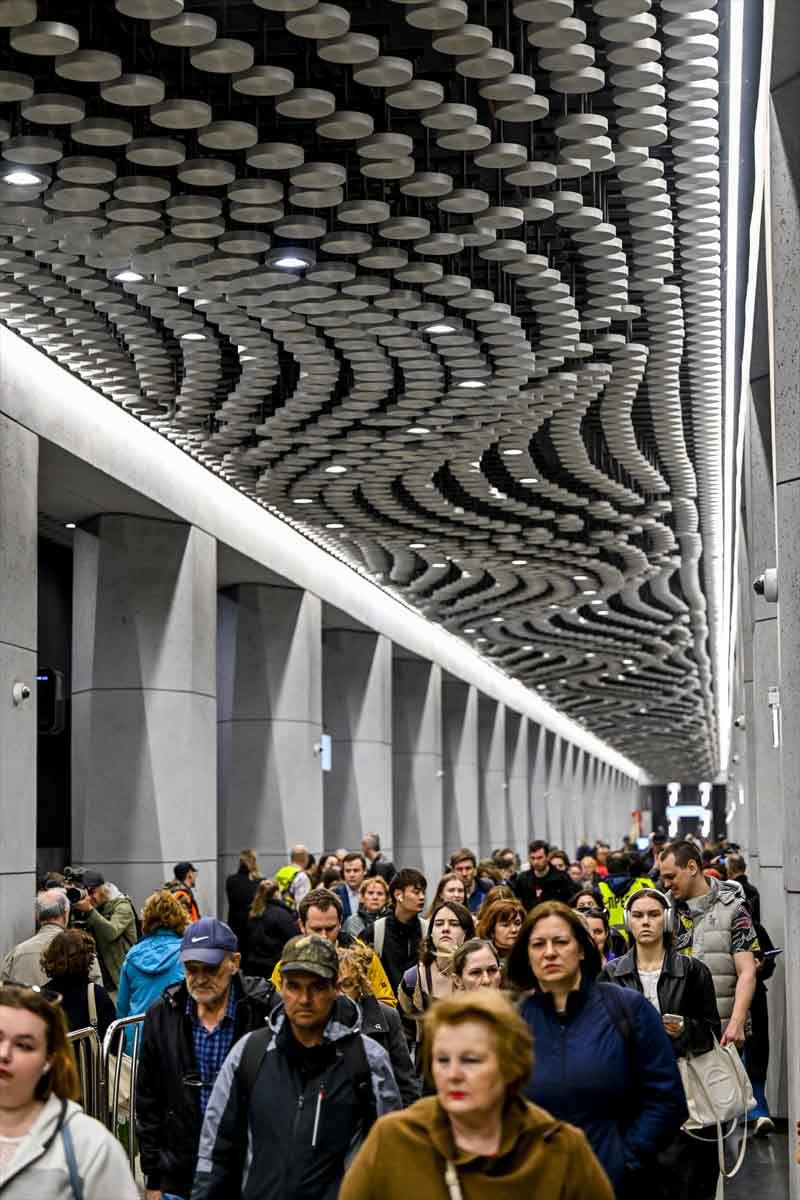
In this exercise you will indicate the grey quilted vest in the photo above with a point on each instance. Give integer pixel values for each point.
(711, 941)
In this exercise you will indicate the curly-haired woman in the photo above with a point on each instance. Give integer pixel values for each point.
(66, 962)
(154, 962)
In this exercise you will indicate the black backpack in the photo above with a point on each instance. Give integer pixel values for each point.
(353, 1055)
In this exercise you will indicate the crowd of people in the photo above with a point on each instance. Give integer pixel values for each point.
(350, 1031)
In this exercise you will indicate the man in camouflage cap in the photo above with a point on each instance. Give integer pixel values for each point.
(294, 1099)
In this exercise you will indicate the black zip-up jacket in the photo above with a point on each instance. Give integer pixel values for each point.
(168, 1119)
(685, 987)
(267, 935)
(289, 1136)
(241, 892)
(400, 947)
(384, 1025)
(533, 889)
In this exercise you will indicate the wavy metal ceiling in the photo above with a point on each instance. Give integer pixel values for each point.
(439, 281)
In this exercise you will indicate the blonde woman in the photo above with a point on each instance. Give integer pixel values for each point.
(477, 1137)
(379, 1021)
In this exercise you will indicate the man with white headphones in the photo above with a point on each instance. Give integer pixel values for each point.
(682, 990)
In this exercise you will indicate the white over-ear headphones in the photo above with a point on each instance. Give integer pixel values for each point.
(652, 894)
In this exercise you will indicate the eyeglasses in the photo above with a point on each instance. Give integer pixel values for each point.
(48, 994)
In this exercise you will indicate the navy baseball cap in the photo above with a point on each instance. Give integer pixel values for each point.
(208, 941)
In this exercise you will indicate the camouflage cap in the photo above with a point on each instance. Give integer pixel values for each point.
(310, 953)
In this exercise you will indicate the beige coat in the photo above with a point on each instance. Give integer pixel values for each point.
(539, 1159)
(38, 1170)
(21, 965)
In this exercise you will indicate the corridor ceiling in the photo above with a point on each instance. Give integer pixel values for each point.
(438, 281)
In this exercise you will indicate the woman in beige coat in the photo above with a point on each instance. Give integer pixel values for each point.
(48, 1146)
(477, 1138)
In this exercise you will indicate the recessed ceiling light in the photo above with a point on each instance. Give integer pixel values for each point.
(335, 470)
(470, 630)
(21, 178)
(70, 525)
(602, 612)
(529, 479)
(480, 639)
(628, 662)
(589, 592)
(417, 429)
(193, 337)
(334, 525)
(471, 383)
(438, 564)
(546, 654)
(518, 562)
(416, 545)
(441, 328)
(590, 654)
(580, 578)
(290, 262)
(595, 602)
(128, 276)
(527, 647)
(498, 620)
(510, 453)
(303, 500)
(182, 289)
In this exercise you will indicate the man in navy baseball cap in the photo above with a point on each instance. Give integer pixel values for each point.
(208, 941)
(187, 1035)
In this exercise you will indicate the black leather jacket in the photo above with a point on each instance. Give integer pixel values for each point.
(167, 1109)
(685, 987)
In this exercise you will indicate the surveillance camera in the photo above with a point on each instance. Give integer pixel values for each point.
(767, 585)
(741, 721)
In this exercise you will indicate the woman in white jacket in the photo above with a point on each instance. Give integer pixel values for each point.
(48, 1146)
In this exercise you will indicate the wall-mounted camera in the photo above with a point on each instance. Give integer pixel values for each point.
(740, 722)
(767, 585)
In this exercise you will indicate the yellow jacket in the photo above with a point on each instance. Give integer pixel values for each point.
(377, 976)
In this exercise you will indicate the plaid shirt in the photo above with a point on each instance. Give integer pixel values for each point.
(211, 1047)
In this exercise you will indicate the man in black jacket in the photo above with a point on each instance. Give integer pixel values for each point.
(186, 1037)
(543, 881)
(378, 865)
(396, 938)
(291, 1104)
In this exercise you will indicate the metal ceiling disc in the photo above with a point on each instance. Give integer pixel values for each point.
(301, 228)
(318, 175)
(450, 116)
(474, 137)
(321, 21)
(32, 151)
(316, 197)
(499, 155)
(45, 38)
(255, 191)
(206, 172)
(15, 86)
(275, 156)
(427, 184)
(492, 64)
(179, 113)
(223, 56)
(87, 169)
(194, 208)
(228, 135)
(385, 145)
(89, 66)
(384, 72)
(405, 228)
(256, 214)
(388, 168)
(465, 200)
(133, 90)
(416, 95)
(53, 108)
(156, 152)
(464, 40)
(67, 197)
(363, 212)
(350, 49)
(346, 125)
(306, 104)
(188, 30)
(533, 174)
(439, 15)
(264, 81)
(142, 189)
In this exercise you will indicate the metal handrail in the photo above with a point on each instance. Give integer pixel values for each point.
(88, 1052)
(112, 1079)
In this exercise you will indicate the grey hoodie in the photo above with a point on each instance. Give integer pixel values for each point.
(38, 1170)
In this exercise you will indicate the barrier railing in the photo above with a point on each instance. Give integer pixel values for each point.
(89, 1059)
(107, 1077)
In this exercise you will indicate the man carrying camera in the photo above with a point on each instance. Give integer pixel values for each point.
(110, 918)
(21, 965)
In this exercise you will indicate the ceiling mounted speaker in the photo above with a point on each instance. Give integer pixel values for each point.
(187, 30)
(149, 10)
(45, 38)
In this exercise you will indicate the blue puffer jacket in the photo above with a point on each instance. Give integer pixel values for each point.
(149, 967)
(626, 1095)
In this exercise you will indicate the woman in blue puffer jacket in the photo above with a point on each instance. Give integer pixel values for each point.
(154, 962)
(603, 1061)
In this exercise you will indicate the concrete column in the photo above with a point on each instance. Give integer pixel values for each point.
(557, 799)
(144, 702)
(517, 778)
(460, 764)
(270, 722)
(784, 246)
(19, 469)
(492, 775)
(580, 777)
(591, 793)
(542, 748)
(417, 766)
(357, 713)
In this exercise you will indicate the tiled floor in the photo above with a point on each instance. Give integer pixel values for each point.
(765, 1171)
